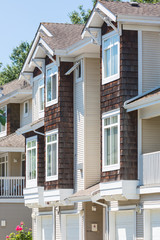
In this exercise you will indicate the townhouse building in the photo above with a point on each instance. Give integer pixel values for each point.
(92, 147)
(14, 101)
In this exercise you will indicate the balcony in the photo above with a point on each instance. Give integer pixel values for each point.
(11, 187)
(151, 168)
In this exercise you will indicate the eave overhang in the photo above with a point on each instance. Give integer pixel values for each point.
(32, 127)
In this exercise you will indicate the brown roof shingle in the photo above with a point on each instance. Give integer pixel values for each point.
(64, 35)
(14, 85)
(125, 8)
(13, 141)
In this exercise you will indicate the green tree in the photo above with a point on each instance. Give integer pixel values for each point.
(18, 56)
(147, 1)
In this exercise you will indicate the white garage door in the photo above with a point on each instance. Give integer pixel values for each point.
(125, 225)
(47, 228)
(155, 224)
(72, 224)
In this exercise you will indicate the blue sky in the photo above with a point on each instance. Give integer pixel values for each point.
(20, 19)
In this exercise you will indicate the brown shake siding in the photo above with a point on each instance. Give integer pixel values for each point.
(113, 96)
(60, 116)
(13, 117)
(40, 155)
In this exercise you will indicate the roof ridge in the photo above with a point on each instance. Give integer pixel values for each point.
(62, 23)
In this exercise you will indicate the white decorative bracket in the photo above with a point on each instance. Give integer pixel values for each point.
(107, 20)
(47, 53)
(36, 61)
(96, 39)
(25, 74)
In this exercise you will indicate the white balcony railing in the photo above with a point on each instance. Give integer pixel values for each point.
(11, 187)
(151, 168)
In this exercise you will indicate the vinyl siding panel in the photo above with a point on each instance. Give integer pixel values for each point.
(79, 133)
(139, 226)
(28, 119)
(92, 121)
(150, 60)
(151, 135)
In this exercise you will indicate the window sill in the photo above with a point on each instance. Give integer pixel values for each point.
(111, 168)
(52, 178)
(110, 79)
(51, 102)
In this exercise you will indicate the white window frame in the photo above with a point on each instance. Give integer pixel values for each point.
(117, 165)
(79, 79)
(5, 163)
(117, 75)
(23, 159)
(26, 114)
(4, 133)
(52, 102)
(41, 112)
(31, 182)
(54, 177)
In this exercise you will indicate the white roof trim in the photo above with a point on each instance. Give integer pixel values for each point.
(15, 93)
(72, 68)
(30, 127)
(45, 30)
(12, 149)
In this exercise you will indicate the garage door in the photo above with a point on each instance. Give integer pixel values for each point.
(47, 228)
(125, 225)
(155, 224)
(72, 231)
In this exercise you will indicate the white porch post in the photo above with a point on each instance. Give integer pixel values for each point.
(112, 227)
(54, 223)
(147, 224)
(105, 224)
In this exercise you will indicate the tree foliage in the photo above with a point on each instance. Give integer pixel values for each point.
(18, 56)
(147, 1)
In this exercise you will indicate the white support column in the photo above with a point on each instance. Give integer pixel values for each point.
(54, 223)
(147, 225)
(112, 226)
(105, 224)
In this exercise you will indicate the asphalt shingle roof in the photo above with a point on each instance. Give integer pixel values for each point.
(14, 85)
(13, 140)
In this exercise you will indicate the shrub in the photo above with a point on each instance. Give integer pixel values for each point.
(22, 233)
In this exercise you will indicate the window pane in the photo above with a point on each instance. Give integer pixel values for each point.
(115, 39)
(107, 43)
(29, 164)
(34, 163)
(42, 98)
(49, 138)
(114, 119)
(106, 121)
(54, 137)
(114, 60)
(49, 71)
(49, 96)
(54, 87)
(26, 107)
(49, 160)
(28, 144)
(114, 145)
(54, 159)
(107, 63)
(107, 146)
(34, 143)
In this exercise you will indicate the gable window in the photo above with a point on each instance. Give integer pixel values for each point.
(52, 155)
(31, 161)
(3, 128)
(52, 85)
(111, 57)
(111, 140)
(26, 108)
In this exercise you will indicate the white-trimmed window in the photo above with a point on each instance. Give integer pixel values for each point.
(26, 108)
(111, 56)
(3, 128)
(41, 98)
(4, 165)
(111, 140)
(52, 85)
(52, 155)
(31, 161)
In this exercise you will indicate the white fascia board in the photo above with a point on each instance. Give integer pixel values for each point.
(57, 195)
(46, 46)
(138, 19)
(104, 10)
(45, 30)
(141, 27)
(30, 128)
(12, 149)
(13, 94)
(75, 47)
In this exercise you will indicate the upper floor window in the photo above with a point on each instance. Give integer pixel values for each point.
(26, 108)
(111, 57)
(41, 98)
(111, 140)
(31, 161)
(3, 128)
(52, 155)
(52, 85)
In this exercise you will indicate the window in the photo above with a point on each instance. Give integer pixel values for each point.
(41, 98)
(52, 156)
(79, 71)
(52, 85)
(26, 108)
(23, 158)
(31, 160)
(3, 166)
(3, 128)
(111, 141)
(110, 57)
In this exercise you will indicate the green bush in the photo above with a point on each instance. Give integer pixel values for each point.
(22, 233)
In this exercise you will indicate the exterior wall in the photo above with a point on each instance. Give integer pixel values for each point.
(28, 119)
(92, 121)
(40, 155)
(13, 213)
(150, 60)
(91, 218)
(113, 96)
(13, 117)
(14, 169)
(60, 116)
(151, 135)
